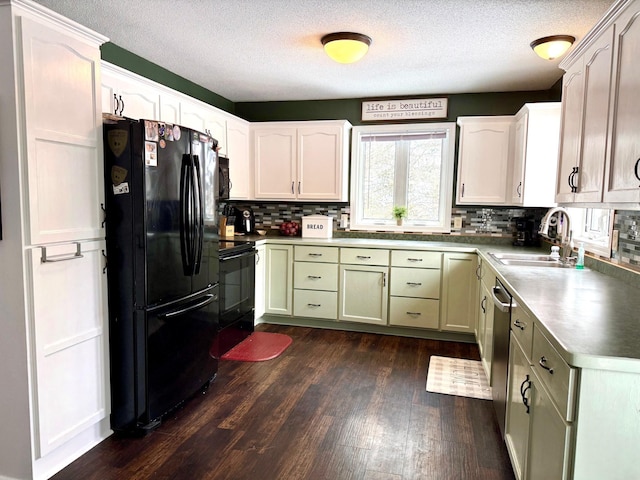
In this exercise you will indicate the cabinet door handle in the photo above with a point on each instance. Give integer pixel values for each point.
(314, 277)
(116, 104)
(384, 279)
(462, 193)
(362, 257)
(519, 190)
(63, 257)
(292, 190)
(483, 304)
(257, 257)
(523, 392)
(106, 262)
(414, 284)
(414, 314)
(121, 102)
(104, 214)
(635, 169)
(314, 305)
(519, 324)
(478, 274)
(543, 364)
(299, 183)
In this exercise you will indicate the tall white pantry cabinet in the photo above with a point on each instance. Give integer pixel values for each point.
(54, 374)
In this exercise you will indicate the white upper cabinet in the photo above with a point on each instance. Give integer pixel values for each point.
(125, 95)
(623, 172)
(275, 162)
(484, 160)
(205, 119)
(535, 161)
(301, 160)
(586, 89)
(600, 147)
(63, 136)
(240, 160)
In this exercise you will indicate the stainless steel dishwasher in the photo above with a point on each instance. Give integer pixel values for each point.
(503, 302)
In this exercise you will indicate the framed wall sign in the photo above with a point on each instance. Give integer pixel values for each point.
(404, 109)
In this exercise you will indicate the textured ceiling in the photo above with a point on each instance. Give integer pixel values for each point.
(266, 50)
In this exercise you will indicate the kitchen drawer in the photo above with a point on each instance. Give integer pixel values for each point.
(309, 303)
(558, 377)
(522, 328)
(414, 312)
(407, 258)
(415, 282)
(306, 253)
(364, 256)
(315, 276)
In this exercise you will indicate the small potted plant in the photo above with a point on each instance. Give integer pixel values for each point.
(399, 213)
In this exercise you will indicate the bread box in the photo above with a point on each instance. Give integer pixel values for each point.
(317, 226)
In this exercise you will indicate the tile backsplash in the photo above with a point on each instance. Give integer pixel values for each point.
(477, 222)
(495, 221)
(627, 223)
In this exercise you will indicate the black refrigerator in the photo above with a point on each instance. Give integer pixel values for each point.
(162, 266)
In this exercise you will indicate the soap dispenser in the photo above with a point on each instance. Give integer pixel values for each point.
(580, 261)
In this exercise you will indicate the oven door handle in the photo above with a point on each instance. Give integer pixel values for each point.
(240, 255)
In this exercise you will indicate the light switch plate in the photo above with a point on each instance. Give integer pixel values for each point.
(457, 222)
(344, 220)
(614, 240)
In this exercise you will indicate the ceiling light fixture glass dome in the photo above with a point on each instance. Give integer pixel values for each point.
(553, 46)
(346, 47)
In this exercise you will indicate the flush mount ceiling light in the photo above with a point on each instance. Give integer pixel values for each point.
(346, 47)
(552, 47)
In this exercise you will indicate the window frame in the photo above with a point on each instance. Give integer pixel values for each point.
(579, 216)
(446, 175)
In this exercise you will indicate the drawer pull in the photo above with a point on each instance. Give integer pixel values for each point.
(414, 259)
(543, 364)
(315, 254)
(363, 257)
(314, 277)
(314, 305)
(414, 284)
(519, 324)
(414, 314)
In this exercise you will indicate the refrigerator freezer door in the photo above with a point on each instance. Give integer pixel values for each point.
(178, 359)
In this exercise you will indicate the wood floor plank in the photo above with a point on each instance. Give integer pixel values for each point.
(336, 406)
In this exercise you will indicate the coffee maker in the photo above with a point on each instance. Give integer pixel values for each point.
(245, 223)
(526, 232)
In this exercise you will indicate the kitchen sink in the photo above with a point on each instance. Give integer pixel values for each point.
(528, 260)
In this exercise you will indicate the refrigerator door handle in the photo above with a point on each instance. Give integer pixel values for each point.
(185, 215)
(199, 213)
(208, 299)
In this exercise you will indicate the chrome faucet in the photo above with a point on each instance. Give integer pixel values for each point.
(566, 233)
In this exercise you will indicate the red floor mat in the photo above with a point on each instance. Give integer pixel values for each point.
(258, 347)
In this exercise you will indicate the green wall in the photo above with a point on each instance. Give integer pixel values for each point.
(507, 103)
(112, 53)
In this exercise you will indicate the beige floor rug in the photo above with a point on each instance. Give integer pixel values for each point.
(456, 376)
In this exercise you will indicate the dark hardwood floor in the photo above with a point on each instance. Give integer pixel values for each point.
(336, 405)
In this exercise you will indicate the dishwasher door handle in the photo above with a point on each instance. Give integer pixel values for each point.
(500, 305)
